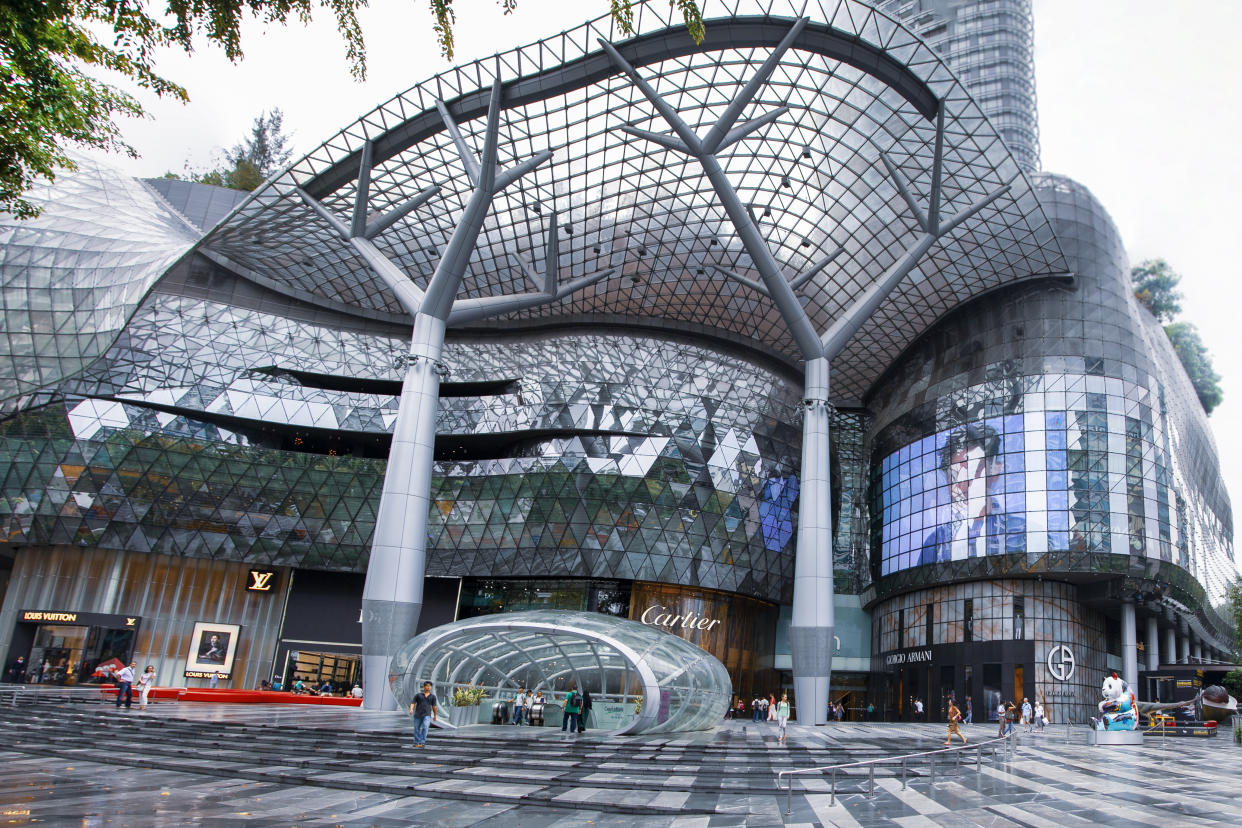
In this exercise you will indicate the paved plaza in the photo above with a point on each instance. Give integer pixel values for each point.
(84, 763)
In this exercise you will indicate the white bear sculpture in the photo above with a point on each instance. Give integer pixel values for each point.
(1119, 709)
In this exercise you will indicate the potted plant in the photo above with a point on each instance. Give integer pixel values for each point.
(466, 701)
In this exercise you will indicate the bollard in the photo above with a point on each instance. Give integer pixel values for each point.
(931, 772)
(871, 782)
(833, 799)
(789, 797)
(978, 761)
(903, 774)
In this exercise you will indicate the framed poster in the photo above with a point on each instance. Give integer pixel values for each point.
(212, 647)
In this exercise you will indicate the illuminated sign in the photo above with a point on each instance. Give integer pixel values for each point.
(64, 617)
(261, 580)
(663, 618)
(1061, 662)
(207, 674)
(80, 619)
(910, 657)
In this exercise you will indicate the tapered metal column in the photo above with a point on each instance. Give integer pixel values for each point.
(811, 628)
(1183, 648)
(1129, 643)
(1196, 650)
(393, 595)
(1153, 643)
(1170, 645)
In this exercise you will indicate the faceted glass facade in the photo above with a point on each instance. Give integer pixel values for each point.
(70, 279)
(1091, 452)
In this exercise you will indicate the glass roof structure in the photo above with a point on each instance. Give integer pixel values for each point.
(857, 84)
(683, 687)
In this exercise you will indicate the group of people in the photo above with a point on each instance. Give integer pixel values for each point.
(124, 679)
(1030, 716)
(765, 710)
(576, 706)
(522, 704)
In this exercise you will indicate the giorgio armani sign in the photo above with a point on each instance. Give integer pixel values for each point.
(919, 656)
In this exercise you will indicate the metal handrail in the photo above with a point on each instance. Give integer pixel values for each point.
(1010, 739)
(13, 688)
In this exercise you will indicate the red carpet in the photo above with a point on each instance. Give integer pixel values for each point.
(221, 696)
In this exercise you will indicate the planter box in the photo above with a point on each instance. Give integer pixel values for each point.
(463, 716)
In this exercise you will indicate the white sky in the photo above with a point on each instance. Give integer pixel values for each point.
(1140, 100)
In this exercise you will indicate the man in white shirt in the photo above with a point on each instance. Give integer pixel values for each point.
(125, 685)
(519, 706)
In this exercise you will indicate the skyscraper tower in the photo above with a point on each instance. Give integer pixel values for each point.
(991, 47)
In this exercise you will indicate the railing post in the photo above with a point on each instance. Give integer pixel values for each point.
(903, 774)
(789, 797)
(832, 800)
(978, 760)
(931, 772)
(871, 782)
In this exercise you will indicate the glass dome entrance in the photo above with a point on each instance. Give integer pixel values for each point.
(620, 662)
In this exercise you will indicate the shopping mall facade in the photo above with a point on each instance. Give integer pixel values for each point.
(200, 388)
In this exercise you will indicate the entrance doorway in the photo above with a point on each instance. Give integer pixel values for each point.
(340, 671)
(68, 654)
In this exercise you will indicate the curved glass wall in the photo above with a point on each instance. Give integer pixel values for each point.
(681, 686)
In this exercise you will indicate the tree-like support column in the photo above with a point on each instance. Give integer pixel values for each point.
(392, 597)
(811, 630)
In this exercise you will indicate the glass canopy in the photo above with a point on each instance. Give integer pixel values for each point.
(682, 687)
(861, 92)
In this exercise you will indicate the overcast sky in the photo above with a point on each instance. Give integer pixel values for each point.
(1138, 99)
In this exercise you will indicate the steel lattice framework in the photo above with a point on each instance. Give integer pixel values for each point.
(834, 184)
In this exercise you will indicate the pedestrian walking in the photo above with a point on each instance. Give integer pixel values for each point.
(519, 706)
(125, 685)
(970, 711)
(918, 710)
(1011, 716)
(214, 681)
(146, 683)
(770, 706)
(586, 710)
(423, 709)
(782, 716)
(870, 711)
(573, 705)
(955, 717)
(1028, 715)
(1001, 713)
(1040, 719)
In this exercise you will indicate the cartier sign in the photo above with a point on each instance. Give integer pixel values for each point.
(659, 616)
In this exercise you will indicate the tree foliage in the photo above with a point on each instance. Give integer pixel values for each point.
(622, 12)
(253, 160)
(1233, 614)
(49, 50)
(1197, 362)
(1155, 286)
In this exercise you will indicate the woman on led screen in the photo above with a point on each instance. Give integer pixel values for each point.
(977, 523)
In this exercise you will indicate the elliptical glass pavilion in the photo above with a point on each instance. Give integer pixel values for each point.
(617, 396)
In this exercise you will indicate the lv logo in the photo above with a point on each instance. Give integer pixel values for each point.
(260, 581)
